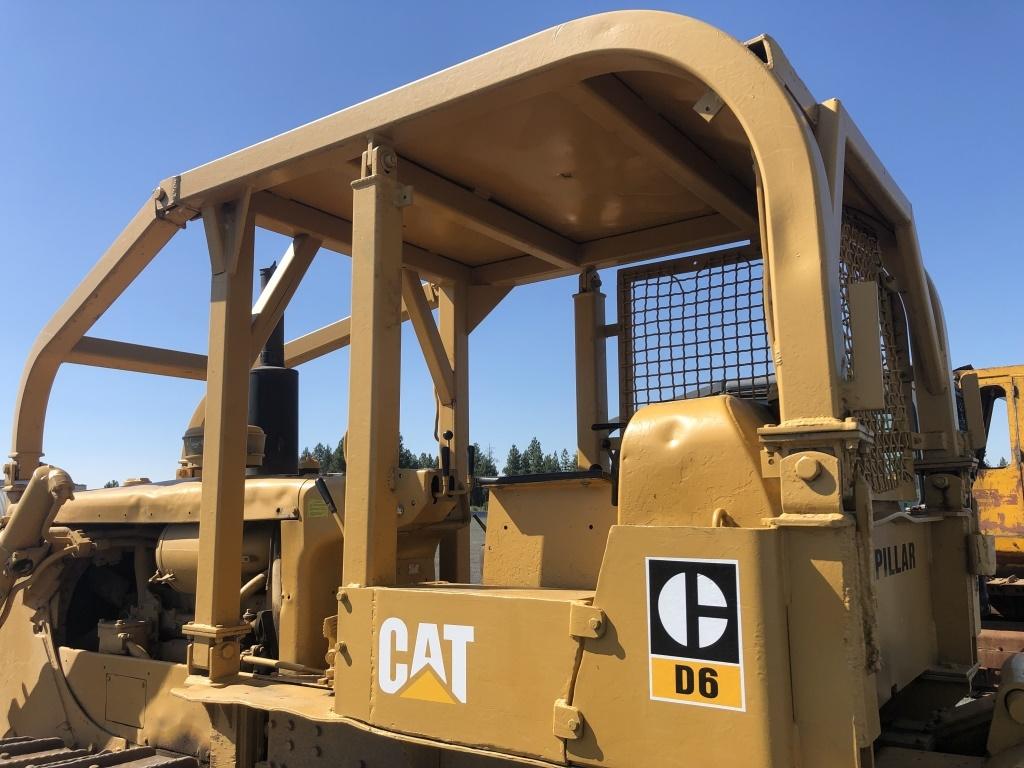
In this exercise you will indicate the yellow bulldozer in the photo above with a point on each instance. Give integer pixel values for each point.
(769, 554)
(999, 493)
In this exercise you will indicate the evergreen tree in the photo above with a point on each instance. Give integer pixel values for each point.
(1003, 462)
(533, 458)
(514, 462)
(323, 455)
(406, 458)
(531, 461)
(485, 466)
(567, 462)
(338, 457)
(111, 484)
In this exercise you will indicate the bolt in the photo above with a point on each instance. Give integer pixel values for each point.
(289, 745)
(940, 481)
(595, 623)
(159, 194)
(316, 751)
(807, 468)
(342, 646)
(291, 724)
(389, 160)
(574, 725)
(342, 596)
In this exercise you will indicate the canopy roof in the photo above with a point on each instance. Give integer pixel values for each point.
(610, 139)
(529, 161)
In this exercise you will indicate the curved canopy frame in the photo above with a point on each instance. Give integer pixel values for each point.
(800, 184)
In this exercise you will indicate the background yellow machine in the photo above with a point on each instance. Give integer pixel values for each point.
(999, 491)
(998, 487)
(768, 557)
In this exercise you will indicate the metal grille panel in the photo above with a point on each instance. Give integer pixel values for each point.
(692, 327)
(890, 463)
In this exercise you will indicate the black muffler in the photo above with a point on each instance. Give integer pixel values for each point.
(274, 401)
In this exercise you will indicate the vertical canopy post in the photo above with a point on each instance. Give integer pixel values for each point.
(591, 370)
(371, 522)
(218, 626)
(453, 419)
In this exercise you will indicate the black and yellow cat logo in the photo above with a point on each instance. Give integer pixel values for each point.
(696, 646)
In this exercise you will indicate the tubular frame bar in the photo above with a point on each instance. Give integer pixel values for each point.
(224, 451)
(127, 256)
(371, 522)
(795, 187)
(316, 344)
(122, 356)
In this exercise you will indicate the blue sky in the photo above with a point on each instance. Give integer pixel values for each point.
(101, 101)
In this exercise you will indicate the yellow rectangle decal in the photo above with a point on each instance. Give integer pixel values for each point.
(697, 682)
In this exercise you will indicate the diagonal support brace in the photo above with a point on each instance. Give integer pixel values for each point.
(429, 337)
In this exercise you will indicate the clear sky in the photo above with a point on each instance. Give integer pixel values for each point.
(100, 101)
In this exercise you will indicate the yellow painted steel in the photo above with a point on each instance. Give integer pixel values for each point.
(742, 573)
(999, 491)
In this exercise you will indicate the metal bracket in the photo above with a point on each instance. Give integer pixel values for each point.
(709, 105)
(11, 477)
(568, 722)
(215, 634)
(214, 649)
(225, 224)
(167, 202)
(403, 196)
(585, 620)
(378, 159)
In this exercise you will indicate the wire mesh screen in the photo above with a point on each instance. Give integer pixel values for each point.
(693, 327)
(890, 463)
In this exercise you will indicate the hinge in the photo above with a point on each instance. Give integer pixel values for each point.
(167, 200)
(568, 723)
(585, 620)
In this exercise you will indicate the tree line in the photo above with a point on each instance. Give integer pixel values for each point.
(533, 460)
(530, 461)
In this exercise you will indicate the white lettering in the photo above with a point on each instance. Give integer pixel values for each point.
(459, 635)
(393, 675)
(428, 651)
(394, 635)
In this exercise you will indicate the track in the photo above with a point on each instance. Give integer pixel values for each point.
(23, 751)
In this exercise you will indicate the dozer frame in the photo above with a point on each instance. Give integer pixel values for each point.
(772, 564)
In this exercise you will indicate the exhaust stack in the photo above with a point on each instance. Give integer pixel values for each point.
(274, 401)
